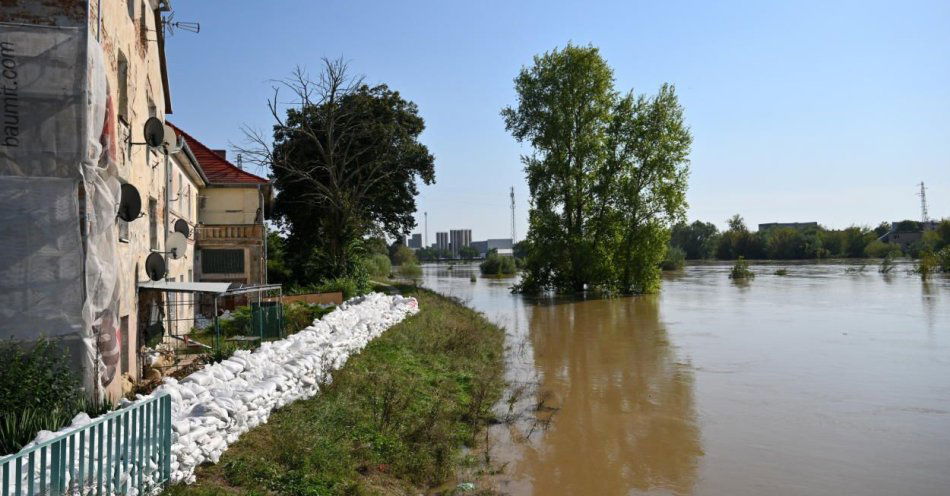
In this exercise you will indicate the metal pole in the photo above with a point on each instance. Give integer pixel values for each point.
(217, 331)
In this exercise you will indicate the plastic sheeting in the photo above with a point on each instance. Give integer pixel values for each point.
(58, 193)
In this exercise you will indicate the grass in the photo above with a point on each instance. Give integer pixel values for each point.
(393, 420)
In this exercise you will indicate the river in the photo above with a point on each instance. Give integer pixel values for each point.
(827, 381)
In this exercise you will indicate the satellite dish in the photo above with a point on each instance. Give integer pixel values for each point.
(181, 225)
(155, 266)
(175, 246)
(130, 203)
(154, 132)
(172, 145)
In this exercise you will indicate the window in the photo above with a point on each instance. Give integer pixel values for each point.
(123, 76)
(222, 261)
(153, 223)
(124, 344)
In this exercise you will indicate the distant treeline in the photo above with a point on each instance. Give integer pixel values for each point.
(702, 240)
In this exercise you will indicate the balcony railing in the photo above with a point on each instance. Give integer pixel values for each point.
(229, 232)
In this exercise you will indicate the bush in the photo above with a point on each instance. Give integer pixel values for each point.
(880, 249)
(927, 265)
(410, 271)
(781, 272)
(675, 259)
(887, 265)
(299, 315)
(378, 266)
(402, 255)
(741, 270)
(237, 323)
(38, 391)
(943, 259)
(496, 264)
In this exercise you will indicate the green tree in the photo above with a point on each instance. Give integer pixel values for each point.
(698, 240)
(403, 255)
(277, 270)
(468, 253)
(345, 158)
(607, 174)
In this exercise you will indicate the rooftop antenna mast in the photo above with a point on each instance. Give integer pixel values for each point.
(923, 203)
(513, 240)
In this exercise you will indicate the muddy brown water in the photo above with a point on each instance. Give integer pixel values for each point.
(821, 382)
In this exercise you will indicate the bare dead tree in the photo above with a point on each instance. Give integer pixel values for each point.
(331, 152)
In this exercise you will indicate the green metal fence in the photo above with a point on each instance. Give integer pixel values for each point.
(117, 452)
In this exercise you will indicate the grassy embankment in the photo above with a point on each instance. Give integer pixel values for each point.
(392, 421)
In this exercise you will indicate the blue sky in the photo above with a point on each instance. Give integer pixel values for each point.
(826, 111)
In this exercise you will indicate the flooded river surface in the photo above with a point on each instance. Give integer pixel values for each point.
(821, 382)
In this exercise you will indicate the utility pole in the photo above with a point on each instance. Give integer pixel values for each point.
(513, 240)
(923, 203)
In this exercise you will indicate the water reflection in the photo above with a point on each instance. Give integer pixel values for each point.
(624, 408)
(823, 382)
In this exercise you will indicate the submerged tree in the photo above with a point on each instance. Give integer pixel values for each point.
(607, 175)
(345, 158)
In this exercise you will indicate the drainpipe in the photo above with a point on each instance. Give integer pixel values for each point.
(260, 193)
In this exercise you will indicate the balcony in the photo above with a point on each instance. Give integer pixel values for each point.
(231, 232)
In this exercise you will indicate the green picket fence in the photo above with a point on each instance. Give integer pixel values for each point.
(117, 452)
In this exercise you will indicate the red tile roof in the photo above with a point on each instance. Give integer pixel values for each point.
(217, 169)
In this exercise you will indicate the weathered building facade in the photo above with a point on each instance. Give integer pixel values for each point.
(231, 235)
(119, 42)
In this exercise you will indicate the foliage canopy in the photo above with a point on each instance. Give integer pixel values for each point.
(607, 174)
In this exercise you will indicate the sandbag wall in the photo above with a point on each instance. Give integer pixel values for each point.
(211, 408)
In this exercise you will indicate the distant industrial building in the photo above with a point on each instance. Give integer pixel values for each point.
(442, 241)
(415, 242)
(500, 244)
(908, 232)
(793, 225)
(459, 238)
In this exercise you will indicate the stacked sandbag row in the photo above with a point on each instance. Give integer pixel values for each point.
(212, 407)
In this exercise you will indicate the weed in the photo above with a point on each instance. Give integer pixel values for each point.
(392, 420)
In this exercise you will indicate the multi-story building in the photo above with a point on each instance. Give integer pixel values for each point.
(87, 76)
(502, 245)
(442, 241)
(415, 242)
(459, 238)
(231, 236)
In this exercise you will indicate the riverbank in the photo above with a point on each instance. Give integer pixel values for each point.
(394, 419)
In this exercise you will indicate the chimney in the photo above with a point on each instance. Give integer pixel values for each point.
(221, 153)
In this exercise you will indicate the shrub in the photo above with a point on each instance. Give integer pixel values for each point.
(496, 264)
(943, 258)
(781, 272)
(887, 265)
(675, 259)
(378, 266)
(299, 315)
(402, 255)
(38, 391)
(927, 265)
(880, 249)
(741, 270)
(237, 322)
(410, 271)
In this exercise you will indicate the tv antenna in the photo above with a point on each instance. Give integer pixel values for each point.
(169, 24)
(513, 240)
(923, 203)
